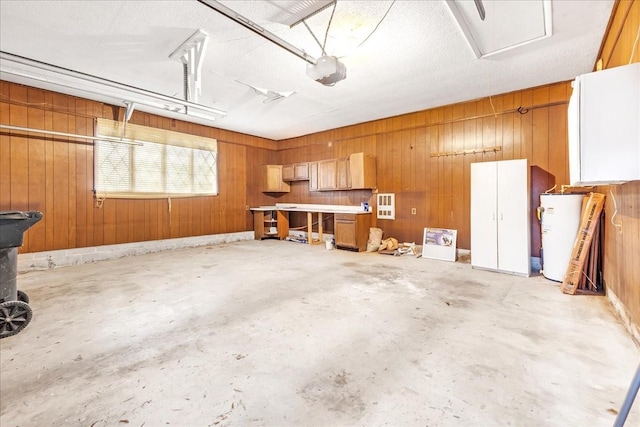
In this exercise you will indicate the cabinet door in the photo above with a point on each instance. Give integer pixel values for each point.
(484, 233)
(301, 171)
(362, 171)
(272, 180)
(327, 174)
(313, 176)
(514, 247)
(258, 224)
(610, 125)
(343, 178)
(345, 233)
(288, 173)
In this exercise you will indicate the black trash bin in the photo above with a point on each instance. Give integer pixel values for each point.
(15, 313)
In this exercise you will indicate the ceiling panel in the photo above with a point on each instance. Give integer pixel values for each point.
(401, 56)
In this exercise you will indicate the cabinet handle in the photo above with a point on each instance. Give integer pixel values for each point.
(501, 218)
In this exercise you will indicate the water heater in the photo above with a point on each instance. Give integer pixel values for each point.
(559, 223)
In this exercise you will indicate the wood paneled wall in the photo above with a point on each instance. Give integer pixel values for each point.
(439, 187)
(55, 175)
(622, 247)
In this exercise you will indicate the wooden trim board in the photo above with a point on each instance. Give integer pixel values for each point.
(589, 220)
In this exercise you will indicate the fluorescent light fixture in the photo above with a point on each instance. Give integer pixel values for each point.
(294, 12)
(51, 74)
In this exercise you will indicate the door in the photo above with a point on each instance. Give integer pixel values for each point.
(345, 230)
(313, 176)
(343, 178)
(484, 234)
(327, 173)
(288, 173)
(301, 171)
(513, 216)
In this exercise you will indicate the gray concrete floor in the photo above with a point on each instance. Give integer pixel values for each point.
(283, 334)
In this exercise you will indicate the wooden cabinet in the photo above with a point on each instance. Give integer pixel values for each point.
(265, 225)
(358, 172)
(287, 173)
(295, 172)
(272, 180)
(362, 170)
(343, 179)
(327, 174)
(351, 231)
(270, 223)
(333, 174)
(313, 176)
(500, 230)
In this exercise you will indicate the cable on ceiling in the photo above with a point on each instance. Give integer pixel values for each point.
(326, 33)
(314, 36)
(377, 25)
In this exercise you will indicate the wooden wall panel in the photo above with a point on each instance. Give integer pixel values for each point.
(621, 268)
(55, 175)
(439, 187)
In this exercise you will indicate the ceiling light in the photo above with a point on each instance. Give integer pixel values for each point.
(31, 69)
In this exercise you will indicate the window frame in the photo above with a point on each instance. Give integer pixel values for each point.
(136, 136)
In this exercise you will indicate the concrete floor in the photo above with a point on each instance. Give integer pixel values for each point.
(283, 334)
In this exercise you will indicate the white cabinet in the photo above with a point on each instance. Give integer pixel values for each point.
(604, 127)
(500, 229)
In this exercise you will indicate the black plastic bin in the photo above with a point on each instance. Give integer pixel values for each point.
(15, 313)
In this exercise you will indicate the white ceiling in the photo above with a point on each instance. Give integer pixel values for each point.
(417, 58)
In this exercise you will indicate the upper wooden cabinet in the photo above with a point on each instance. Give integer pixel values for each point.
(328, 174)
(272, 180)
(343, 179)
(313, 176)
(362, 170)
(295, 172)
(358, 172)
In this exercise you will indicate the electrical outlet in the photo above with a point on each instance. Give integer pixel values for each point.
(413, 211)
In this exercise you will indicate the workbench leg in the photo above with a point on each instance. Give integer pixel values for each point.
(283, 224)
(258, 225)
(320, 227)
(310, 228)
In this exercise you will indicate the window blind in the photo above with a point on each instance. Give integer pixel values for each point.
(167, 164)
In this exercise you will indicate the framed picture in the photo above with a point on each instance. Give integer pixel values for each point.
(439, 243)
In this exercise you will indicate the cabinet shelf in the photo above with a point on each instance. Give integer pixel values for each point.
(270, 224)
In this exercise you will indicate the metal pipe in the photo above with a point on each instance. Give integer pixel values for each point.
(5, 56)
(234, 16)
(628, 401)
(71, 135)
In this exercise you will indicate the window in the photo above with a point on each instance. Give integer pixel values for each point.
(165, 164)
(386, 206)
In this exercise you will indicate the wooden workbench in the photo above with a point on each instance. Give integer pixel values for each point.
(282, 217)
